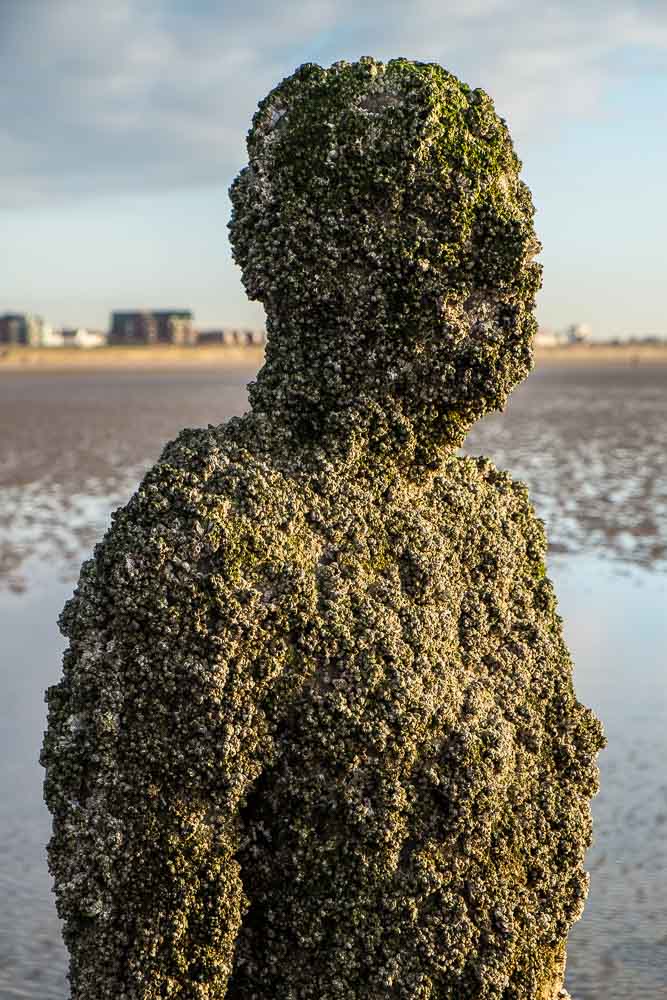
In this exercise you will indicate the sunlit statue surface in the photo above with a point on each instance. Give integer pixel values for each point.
(316, 736)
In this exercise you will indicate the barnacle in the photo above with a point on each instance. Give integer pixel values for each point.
(316, 734)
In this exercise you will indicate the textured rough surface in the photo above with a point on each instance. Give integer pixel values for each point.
(316, 735)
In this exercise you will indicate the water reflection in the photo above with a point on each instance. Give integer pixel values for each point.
(32, 957)
(616, 628)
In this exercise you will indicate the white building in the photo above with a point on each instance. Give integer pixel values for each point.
(50, 337)
(578, 333)
(81, 337)
(232, 337)
(546, 337)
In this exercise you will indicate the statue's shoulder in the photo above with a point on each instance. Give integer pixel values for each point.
(488, 510)
(498, 551)
(219, 474)
(212, 512)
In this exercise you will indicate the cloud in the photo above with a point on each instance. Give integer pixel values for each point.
(139, 95)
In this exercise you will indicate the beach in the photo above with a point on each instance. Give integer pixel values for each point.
(161, 357)
(588, 439)
(592, 355)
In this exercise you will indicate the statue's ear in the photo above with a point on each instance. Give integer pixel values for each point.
(273, 111)
(269, 121)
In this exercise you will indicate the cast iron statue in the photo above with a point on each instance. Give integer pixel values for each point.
(316, 736)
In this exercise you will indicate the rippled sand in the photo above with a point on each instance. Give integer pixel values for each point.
(590, 443)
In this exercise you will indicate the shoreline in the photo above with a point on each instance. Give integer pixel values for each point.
(170, 357)
(605, 355)
(164, 357)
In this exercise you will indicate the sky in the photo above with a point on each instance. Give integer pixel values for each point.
(122, 125)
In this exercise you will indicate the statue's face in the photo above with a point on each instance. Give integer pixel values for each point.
(385, 202)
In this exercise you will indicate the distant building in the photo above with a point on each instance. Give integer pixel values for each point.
(651, 340)
(256, 337)
(21, 328)
(230, 336)
(160, 326)
(226, 337)
(132, 328)
(578, 333)
(51, 337)
(81, 337)
(547, 338)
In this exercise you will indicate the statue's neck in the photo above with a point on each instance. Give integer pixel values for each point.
(362, 441)
(331, 395)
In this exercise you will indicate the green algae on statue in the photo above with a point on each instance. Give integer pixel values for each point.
(316, 735)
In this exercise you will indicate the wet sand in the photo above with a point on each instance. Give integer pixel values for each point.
(590, 443)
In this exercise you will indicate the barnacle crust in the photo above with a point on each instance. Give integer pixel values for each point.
(316, 736)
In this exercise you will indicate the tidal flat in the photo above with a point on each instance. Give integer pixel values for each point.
(589, 442)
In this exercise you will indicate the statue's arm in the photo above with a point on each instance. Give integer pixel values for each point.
(539, 744)
(145, 760)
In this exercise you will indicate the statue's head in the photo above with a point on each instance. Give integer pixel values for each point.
(382, 223)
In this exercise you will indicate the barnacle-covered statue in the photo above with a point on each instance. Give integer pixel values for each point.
(316, 736)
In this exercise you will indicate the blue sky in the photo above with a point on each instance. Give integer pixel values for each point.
(122, 125)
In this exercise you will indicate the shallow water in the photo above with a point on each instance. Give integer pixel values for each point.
(590, 444)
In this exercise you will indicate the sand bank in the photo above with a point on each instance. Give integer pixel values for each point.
(166, 356)
(603, 355)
